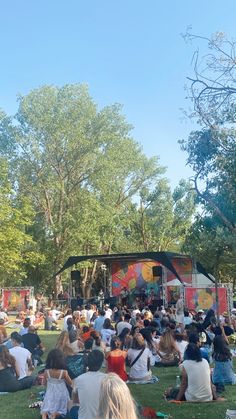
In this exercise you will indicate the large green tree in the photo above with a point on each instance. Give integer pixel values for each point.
(78, 165)
(17, 248)
(164, 217)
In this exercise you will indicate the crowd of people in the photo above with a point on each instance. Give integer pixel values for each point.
(99, 350)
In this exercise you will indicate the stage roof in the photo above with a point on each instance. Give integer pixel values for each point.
(164, 258)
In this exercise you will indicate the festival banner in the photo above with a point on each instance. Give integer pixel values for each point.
(15, 299)
(205, 298)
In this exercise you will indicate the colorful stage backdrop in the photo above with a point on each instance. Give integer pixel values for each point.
(139, 274)
(132, 275)
(205, 298)
(184, 267)
(14, 299)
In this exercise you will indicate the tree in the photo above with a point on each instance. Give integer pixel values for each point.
(214, 246)
(212, 155)
(212, 87)
(212, 149)
(164, 218)
(17, 248)
(79, 167)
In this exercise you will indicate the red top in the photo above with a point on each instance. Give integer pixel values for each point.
(116, 363)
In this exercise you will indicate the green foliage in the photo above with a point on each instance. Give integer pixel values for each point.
(80, 169)
(165, 217)
(16, 246)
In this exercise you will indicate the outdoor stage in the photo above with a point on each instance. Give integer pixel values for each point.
(178, 276)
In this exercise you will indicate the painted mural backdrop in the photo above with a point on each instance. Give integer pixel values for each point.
(133, 275)
(184, 267)
(205, 298)
(14, 299)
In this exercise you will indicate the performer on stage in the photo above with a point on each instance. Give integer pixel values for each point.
(124, 294)
(101, 298)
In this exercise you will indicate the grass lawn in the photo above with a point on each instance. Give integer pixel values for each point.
(15, 405)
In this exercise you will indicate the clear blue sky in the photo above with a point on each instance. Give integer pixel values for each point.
(127, 51)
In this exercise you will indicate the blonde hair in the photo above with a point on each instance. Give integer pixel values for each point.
(115, 400)
(167, 342)
(63, 343)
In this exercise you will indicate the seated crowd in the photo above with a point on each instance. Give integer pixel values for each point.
(126, 343)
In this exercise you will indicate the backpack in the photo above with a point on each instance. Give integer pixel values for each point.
(76, 365)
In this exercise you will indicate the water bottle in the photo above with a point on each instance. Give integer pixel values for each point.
(177, 383)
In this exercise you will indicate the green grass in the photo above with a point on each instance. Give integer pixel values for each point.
(15, 405)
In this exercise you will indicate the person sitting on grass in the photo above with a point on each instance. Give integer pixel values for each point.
(32, 342)
(86, 389)
(115, 400)
(9, 373)
(116, 359)
(223, 372)
(168, 350)
(139, 358)
(56, 399)
(63, 343)
(196, 383)
(22, 356)
(3, 331)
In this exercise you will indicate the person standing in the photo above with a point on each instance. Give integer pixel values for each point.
(99, 321)
(180, 311)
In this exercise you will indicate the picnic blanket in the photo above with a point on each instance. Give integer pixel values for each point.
(154, 379)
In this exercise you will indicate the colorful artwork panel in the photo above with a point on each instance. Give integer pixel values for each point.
(205, 298)
(132, 275)
(184, 267)
(14, 299)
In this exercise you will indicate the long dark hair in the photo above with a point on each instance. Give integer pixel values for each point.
(193, 353)
(55, 360)
(221, 350)
(107, 324)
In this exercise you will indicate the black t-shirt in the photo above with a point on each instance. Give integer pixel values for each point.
(31, 341)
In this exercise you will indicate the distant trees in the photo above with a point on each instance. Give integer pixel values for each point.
(212, 154)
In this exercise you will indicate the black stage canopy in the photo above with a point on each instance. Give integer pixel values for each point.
(164, 258)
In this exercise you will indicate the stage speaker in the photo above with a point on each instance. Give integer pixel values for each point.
(75, 276)
(113, 302)
(157, 272)
(74, 304)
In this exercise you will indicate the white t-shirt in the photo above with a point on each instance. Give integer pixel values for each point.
(108, 313)
(21, 356)
(88, 387)
(181, 347)
(139, 369)
(23, 331)
(55, 314)
(69, 316)
(121, 325)
(106, 335)
(89, 315)
(199, 381)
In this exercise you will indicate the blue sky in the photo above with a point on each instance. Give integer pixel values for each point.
(130, 52)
